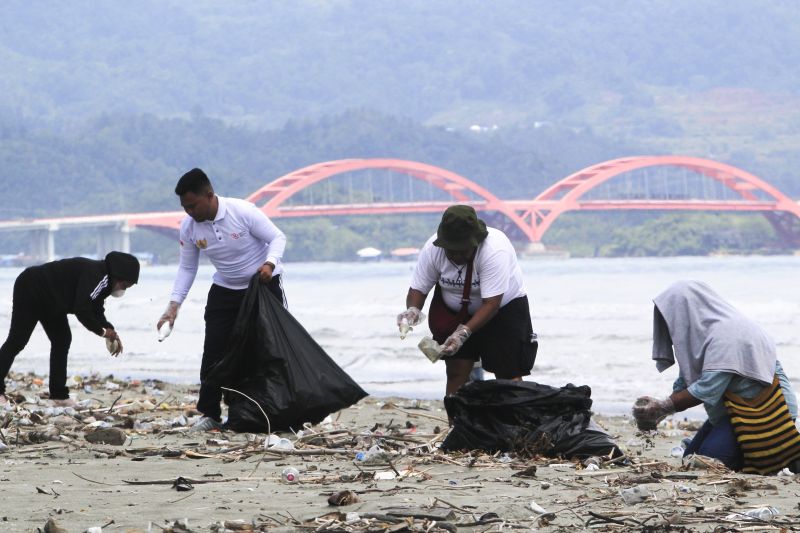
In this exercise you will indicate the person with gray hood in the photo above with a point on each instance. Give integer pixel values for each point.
(47, 293)
(728, 363)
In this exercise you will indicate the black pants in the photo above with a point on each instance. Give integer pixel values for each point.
(222, 308)
(26, 312)
(506, 345)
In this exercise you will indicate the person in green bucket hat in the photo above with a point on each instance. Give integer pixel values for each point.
(479, 310)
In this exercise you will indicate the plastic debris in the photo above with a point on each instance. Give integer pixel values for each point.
(431, 349)
(765, 513)
(290, 475)
(404, 328)
(376, 455)
(164, 331)
(592, 463)
(536, 508)
(634, 495)
(282, 444)
(676, 451)
(701, 462)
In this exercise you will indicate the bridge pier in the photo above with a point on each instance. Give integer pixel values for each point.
(43, 243)
(537, 250)
(117, 237)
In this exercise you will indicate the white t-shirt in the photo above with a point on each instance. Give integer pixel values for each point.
(238, 241)
(495, 271)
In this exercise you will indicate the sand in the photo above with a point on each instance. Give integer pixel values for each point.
(54, 473)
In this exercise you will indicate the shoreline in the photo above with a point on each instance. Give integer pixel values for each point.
(610, 408)
(136, 486)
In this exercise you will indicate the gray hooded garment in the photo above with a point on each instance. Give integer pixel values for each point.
(708, 333)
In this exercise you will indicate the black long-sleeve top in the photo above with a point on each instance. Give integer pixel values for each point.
(76, 285)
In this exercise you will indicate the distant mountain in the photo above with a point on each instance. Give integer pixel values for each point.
(455, 62)
(131, 163)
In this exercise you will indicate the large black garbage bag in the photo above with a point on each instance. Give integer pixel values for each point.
(272, 359)
(526, 417)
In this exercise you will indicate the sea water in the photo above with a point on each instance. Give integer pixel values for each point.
(593, 317)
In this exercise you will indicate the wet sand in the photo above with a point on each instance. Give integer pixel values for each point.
(50, 471)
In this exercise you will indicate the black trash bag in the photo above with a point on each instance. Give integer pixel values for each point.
(272, 359)
(525, 417)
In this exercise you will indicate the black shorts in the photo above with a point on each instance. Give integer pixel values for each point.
(506, 345)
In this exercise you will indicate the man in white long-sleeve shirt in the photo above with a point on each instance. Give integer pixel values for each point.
(240, 241)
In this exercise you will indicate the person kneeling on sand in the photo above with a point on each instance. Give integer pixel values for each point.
(48, 293)
(728, 363)
(479, 309)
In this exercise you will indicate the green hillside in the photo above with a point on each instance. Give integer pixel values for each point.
(104, 104)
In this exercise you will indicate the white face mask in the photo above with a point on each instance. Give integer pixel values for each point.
(118, 293)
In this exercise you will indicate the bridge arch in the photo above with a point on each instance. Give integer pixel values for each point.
(273, 196)
(566, 194)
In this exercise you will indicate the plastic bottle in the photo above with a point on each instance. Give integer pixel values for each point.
(595, 462)
(677, 451)
(763, 513)
(404, 328)
(164, 331)
(290, 475)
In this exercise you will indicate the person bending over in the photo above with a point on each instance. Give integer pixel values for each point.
(240, 241)
(728, 364)
(47, 293)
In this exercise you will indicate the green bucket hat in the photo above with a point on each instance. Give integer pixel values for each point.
(460, 229)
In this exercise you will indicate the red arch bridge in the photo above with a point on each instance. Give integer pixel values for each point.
(394, 186)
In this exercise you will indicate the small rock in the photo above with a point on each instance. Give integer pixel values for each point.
(113, 436)
(51, 527)
(343, 497)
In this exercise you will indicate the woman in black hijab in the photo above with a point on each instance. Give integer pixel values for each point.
(47, 293)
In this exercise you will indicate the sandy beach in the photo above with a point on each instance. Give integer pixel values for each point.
(160, 477)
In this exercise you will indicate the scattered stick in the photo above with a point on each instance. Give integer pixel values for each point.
(422, 415)
(456, 507)
(91, 480)
(189, 480)
(321, 451)
(115, 403)
(192, 493)
(605, 519)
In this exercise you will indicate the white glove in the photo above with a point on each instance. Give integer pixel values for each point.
(456, 340)
(408, 318)
(412, 316)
